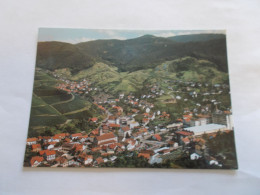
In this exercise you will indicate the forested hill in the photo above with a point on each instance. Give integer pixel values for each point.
(196, 37)
(132, 54)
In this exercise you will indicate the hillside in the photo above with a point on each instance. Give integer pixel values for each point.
(196, 37)
(109, 79)
(52, 107)
(55, 55)
(130, 55)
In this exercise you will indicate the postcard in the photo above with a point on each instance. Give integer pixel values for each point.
(131, 99)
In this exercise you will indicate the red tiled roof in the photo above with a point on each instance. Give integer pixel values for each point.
(108, 142)
(145, 155)
(157, 136)
(36, 158)
(84, 136)
(95, 149)
(185, 133)
(114, 125)
(47, 152)
(76, 135)
(34, 146)
(50, 152)
(61, 159)
(99, 160)
(32, 139)
(95, 132)
(106, 136)
(126, 128)
(67, 140)
(112, 146)
(56, 137)
(78, 147)
(186, 140)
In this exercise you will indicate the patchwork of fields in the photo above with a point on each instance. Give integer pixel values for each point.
(51, 106)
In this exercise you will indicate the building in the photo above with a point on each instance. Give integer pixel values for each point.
(36, 161)
(48, 154)
(223, 118)
(106, 139)
(124, 131)
(31, 141)
(209, 128)
(199, 122)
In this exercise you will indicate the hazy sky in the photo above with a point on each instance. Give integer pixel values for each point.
(71, 35)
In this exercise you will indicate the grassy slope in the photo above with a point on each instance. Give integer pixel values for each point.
(188, 69)
(45, 114)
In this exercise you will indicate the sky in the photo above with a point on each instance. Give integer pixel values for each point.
(72, 35)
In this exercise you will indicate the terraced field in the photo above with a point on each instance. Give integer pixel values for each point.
(51, 106)
(77, 104)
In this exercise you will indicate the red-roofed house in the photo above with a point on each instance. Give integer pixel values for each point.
(75, 136)
(157, 137)
(94, 119)
(186, 140)
(48, 154)
(36, 161)
(83, 138)
(99, 160)
(31, 141)
(36, 147)
(112, 125)
(62, 161)
(106, 139)
(145, 155)
(124, 131)
(182, 134)
(61, 135)
(95, 132)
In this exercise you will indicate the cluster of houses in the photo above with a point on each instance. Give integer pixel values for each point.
(81, 87)
(115, 135)
(120, 132)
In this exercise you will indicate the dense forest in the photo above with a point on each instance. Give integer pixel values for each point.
(132, 54)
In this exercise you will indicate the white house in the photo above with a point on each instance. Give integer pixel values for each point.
(194, 156)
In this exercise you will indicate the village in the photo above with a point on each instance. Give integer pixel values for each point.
(135, 128)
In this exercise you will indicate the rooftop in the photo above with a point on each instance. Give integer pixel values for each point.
(208, 127)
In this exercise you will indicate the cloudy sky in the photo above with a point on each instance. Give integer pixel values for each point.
(70, 35)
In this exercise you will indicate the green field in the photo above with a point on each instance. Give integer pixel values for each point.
(56, 98)
(50, 105)
(36, 101)
(47, 120)
(44, 110)
(77, 104)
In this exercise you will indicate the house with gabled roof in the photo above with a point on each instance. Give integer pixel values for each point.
(145, 155)
(36, 147)
(36, 161)
(99, 160)
(75, 135)
(62, 161)
(31, 141)
(48, 154)
(106, 139)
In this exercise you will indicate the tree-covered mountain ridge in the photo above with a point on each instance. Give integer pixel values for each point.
(140, 53)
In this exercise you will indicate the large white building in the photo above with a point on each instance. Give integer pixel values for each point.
(209, 128)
